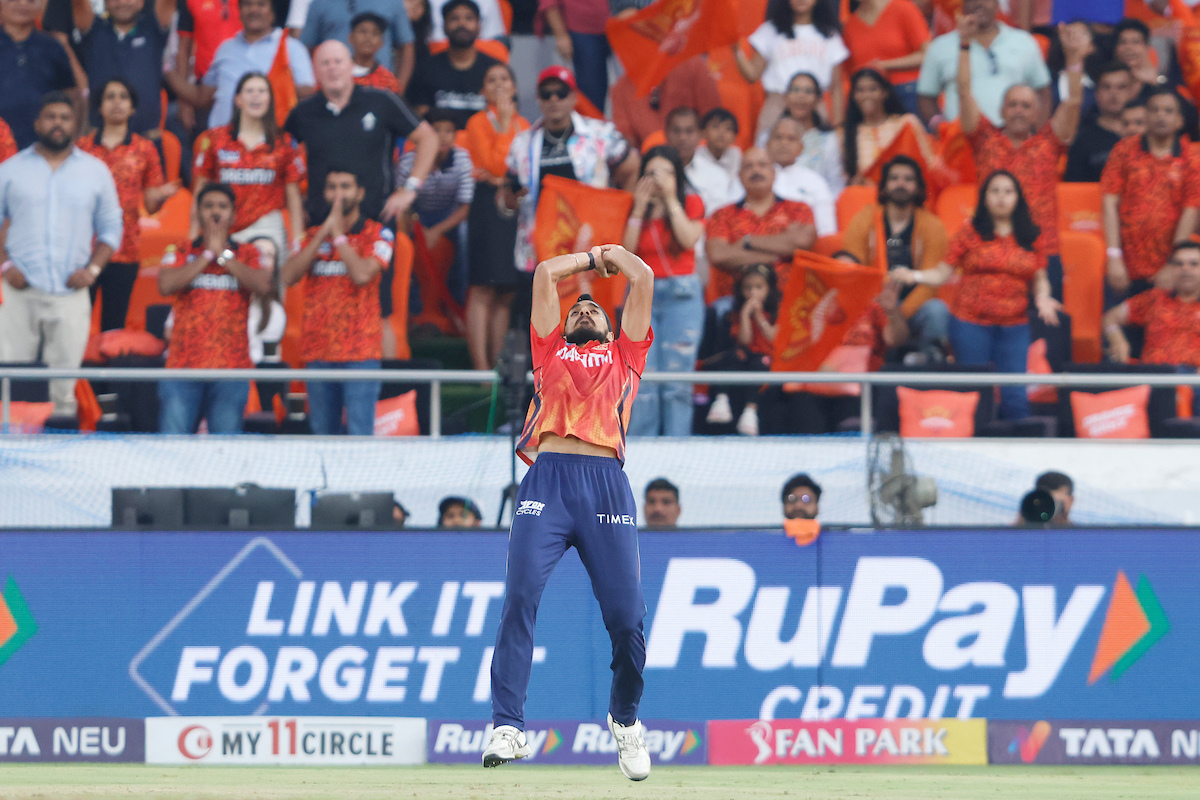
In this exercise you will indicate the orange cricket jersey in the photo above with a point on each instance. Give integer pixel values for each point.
(586, 392)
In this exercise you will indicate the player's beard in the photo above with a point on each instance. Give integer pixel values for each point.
(584, 334)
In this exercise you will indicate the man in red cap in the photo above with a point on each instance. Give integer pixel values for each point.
(566, 144)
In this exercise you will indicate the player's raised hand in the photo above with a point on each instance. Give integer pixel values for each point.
(606, 265)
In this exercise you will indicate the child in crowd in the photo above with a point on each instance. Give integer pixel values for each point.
(366, 37)
(752, 327)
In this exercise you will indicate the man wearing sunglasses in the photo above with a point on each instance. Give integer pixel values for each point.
(562, 143)
(801, 497)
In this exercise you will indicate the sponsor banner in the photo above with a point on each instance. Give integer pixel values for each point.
(1094, 742)
(567, 742)
(793, 741)
(89, 739)
(995, 624)
(292, 741)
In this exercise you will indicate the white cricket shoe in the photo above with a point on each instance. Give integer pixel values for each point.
(720, 413)
(507, 744)
(747, 424)
(632, 755)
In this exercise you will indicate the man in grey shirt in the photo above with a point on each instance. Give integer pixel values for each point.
(64, 222)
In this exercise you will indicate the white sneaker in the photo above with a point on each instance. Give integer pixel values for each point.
(747, 424)
(507, 744)
(719, 413)
(632, 755)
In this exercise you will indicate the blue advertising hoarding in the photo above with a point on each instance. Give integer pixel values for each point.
(998, 624)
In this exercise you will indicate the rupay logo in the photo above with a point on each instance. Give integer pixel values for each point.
(16, 622)
(1134, 622)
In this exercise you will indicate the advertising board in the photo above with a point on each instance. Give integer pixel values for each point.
(1093, 742)
(794, 741)
(567, 742)
(95, 740)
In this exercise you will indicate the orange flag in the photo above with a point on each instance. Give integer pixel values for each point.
(283, 83)
(823, 299)
(955, 152)
(666, 33)
(1189, 46)
(573, 217)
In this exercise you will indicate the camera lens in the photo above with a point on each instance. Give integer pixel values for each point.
(1038, 507)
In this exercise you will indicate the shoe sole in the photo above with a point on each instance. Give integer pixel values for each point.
(625, 772)
(494, 760)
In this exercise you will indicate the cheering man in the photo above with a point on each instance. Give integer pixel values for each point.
(577, 494)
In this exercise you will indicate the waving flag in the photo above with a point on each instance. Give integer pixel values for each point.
(1189, 46)
(283, 82)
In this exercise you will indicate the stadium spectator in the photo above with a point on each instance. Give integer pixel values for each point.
(1134, 120)
(252, 156)
(491, 20)
(762, 228)
(689, 85)
(681, 129)
(1020, 146)
(267, 321)
(127, 42)
(1101, 126)
(797, 36)
(458, 512)
(421, 19)
(751, 326)
(400, 514)
(491, 237)
(203, 26)
(64, 223)
(137, 172)
(32, 64)
(452, 81)
(660, 505)
(580, 39)
(889, 36)
(664, 225)
(253, 49)
(1000, 259)
(1062, 489)
(875, 117)
(212, 278)
(1151, 188)
(565, 144)
(445, 196)
(8, 145)
(342, 259)
(716, 160)
(822, 151)
(1001, 57)
(366, 40)
(357, 128)
(1131, 38)
(796, 182)
(331, 19)
(900, 232)
(801, 497)
(1170, 317)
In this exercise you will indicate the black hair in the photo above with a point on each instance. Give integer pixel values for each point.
(1050, 481)
(371, 17)
(662, 485)
(435, 115)
(219, 188)
(818, 121)
(680, 111)
(590, 299)
(54, 98)
(795, 482)
(467, 503)
(1164, 91)
(1025, 231)
(824, 17)
(1111, 68)
(1186, 244)
(1136, 102)
(270, 124)
(98, 97)
(719, 114)
(904, 161)
(343, 169)
(774, 294)
(670, 154)
(892, 106)
(1128, 24)
(453, 4)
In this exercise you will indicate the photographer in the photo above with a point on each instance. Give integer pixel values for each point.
(1050, 501)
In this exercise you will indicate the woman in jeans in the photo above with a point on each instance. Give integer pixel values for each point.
(664, 225)
(1000, 261)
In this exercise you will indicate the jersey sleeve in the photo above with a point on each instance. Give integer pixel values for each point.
(206, 159)
(1139, 307)
(1112, 179)
(634, 353)
(378, 246)
(293, 168)
(542, 346)
(693, 206)
(248, 254)
(153, 176)
(960, 244)
(718, 225)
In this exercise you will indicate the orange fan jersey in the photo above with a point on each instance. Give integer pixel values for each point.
(257, 175)
(341, 319)
(586, 392)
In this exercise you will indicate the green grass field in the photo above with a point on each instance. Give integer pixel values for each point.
(65, 782)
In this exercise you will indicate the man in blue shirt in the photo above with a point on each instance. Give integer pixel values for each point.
(32, 63)
(330, 19)
(64, 222)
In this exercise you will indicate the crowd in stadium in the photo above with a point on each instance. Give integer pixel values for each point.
(323, 182)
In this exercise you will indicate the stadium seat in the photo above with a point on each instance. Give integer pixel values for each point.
(852, 200)
(1083, 292)
(1080, 208)
(956, 205)
(172, 154)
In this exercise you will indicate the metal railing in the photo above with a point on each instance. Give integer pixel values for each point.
(436, 378)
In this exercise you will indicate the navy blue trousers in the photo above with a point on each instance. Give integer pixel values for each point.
(585, 502)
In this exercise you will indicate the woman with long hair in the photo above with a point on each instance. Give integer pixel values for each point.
(892, 37)
(797, 36)
(822, 153)
(666, 222)
(1000, 259)
(137, 171)
(875, 116)
(492, 276)
(259, 162)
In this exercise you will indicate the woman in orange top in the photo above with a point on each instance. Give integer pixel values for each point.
(1000, 257)
(491, 237)
(875, 116)
(890, 36)
(137, 171)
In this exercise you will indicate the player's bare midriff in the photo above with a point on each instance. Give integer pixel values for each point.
(553, 443)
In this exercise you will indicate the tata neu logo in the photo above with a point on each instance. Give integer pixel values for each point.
(1028, 743)
(16, 623)
(1135, 621)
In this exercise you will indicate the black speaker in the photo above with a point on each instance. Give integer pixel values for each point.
(346, 510)
(243, 507)
(145, 508)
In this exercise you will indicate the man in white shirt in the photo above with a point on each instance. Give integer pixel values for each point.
(796, 182)
(714, 166)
